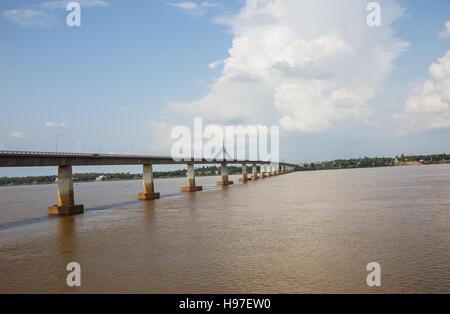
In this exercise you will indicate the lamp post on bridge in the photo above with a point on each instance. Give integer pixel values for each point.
(100, 145)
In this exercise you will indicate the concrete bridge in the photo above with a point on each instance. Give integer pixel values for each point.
(64, 161)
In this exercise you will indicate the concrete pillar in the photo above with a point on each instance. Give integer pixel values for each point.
(277, 171)
(269, 170)
(244, 173)
(263, 170)
(147, 178)
(191, 187)
(274, 169)
(224, 175)
(281, 169)
(66, 204)
(254, 172)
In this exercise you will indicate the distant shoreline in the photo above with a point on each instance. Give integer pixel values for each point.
(93, 176)
(165, 175)
(106, 180)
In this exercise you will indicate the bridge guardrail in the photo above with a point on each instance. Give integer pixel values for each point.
(96, 155)
(55, 154)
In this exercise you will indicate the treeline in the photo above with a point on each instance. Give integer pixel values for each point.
(77, 177)
(367, 162)
(92, 176)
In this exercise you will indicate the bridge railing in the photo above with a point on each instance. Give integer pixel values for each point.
(55, 154)
(96, 155)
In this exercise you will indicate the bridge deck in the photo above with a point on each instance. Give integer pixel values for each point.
(44, 159)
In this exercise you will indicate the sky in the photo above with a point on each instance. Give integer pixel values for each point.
(337, 87)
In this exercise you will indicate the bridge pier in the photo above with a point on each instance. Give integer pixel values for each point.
(224, 175)
(268, 170)
(66, 204)
(191, 187)
(282, 170)
(274, 170)
(147, 178)
(244, 173)
(262, 170)
(254, 172)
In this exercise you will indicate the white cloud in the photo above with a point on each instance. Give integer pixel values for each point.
(192, 7)
(210, 4)
(307, 79)
(17, 134)
(2, 147)
(28, 17)
(446, 33)
(215, 64)
(50, 124)
(185, 5)
(317, 106)
(62, 4)
(429, 104)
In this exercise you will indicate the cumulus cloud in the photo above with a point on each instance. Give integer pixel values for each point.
(51, 124)
(192, 7)
(28, 17)
(17, 134)
(429, 105)
(446, 32)
(306, 79)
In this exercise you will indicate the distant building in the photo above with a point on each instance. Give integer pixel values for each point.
(100, 178)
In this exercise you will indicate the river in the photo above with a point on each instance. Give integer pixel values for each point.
(304, 232)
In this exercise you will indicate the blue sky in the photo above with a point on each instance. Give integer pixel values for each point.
(134, 69)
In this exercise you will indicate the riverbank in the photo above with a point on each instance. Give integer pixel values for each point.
(95, 176)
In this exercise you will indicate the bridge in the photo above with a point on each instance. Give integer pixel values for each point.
(64, 161)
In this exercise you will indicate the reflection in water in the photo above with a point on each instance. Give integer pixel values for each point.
(110, 206)
(25, 222)
(302, 232)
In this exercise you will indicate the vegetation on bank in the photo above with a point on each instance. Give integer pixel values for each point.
(87, 177)
(365, 162)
